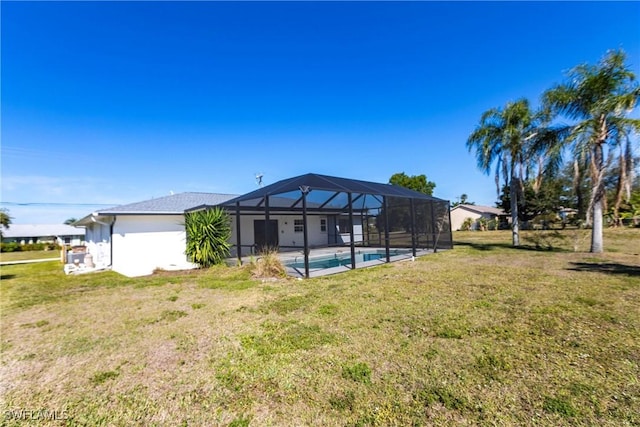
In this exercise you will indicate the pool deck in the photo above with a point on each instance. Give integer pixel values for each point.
(298, 256)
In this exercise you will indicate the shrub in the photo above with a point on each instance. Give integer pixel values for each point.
(17, 247)
(267, 264)
(10, 247)
(466, 224)
(208, 233)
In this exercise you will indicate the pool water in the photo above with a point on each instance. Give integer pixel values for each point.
(342, 259)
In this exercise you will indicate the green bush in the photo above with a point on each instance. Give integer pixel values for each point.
(10, 247)
(17, 247)
(466, 224)
(208, 233)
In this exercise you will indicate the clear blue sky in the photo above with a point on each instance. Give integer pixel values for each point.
(117, 102)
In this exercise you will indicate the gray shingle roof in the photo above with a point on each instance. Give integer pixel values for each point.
(173, 204)
(41, 230)
(482, 209)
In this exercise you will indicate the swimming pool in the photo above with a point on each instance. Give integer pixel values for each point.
(342, 259)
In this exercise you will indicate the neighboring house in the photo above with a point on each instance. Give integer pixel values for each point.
(475, 212)
(137, 238)
(60, 234)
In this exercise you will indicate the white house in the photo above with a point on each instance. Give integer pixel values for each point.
(137, 238)
(60, 234)
(475, 212)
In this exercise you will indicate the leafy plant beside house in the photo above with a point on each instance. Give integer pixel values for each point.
(466, 224)
(208, 233)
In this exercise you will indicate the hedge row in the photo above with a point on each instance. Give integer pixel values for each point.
(17, 247)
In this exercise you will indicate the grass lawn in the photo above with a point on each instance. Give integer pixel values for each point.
(27, 255)
(482, 334)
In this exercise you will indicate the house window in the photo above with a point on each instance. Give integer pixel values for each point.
(298, 225)
(343, 225)
(323, 225)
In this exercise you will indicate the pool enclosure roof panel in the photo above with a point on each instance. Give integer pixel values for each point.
(334, 184)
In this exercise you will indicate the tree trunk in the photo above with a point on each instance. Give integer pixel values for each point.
(623, 188)
(515, 222)
(597, 245)
(578, 177)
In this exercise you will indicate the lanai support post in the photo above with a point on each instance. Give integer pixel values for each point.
(450, 231)
(351, 238)
(266, 224)
(433, 228)
(238, 236)
(386, 228)
(305, 190)
(413, 227)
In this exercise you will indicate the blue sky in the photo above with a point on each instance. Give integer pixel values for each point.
(117, 102)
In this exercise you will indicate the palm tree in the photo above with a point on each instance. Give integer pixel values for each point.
(506, 137)
(599, 99)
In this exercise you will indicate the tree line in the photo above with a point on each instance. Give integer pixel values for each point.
(582, 131)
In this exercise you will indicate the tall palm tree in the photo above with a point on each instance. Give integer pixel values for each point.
(599, 99)
(505, 137)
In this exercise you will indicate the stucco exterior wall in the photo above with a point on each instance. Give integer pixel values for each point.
(142, 243)
(458, 215)
(98, 243)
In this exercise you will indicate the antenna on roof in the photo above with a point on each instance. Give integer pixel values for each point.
(259, 176)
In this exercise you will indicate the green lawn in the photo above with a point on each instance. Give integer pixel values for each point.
(20, 256)
(482, 334)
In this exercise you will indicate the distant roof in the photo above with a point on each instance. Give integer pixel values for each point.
(168, 205)
(173, 204)
(331, 183)
(41, 230)
(481, 209)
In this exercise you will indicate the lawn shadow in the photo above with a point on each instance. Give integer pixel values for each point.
(7, 276)
(492, 246)
(607, 268)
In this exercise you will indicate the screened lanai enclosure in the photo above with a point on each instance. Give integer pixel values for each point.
(323, 224)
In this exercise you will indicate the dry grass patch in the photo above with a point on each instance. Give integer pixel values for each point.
(267, 265)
